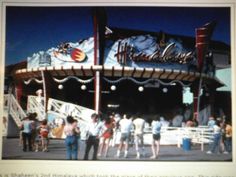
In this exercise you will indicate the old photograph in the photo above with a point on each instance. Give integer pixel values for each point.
(117, 83)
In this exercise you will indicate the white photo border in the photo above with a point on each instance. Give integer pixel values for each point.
(44, 168)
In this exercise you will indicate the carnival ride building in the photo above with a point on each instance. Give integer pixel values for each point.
(122, 70)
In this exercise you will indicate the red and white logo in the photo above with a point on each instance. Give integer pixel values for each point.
(78, 55)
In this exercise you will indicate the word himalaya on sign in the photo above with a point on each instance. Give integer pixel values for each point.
(168, 54)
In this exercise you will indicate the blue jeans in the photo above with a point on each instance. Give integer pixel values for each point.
(71, 147)
(216, 142)
(228, 144)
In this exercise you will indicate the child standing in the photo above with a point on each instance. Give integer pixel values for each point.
(43, 131)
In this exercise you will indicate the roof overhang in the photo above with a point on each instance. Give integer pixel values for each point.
(114, 71)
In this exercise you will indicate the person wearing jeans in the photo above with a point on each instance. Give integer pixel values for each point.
(27, 133)
(71, 130)
(216, 138)
(228, 137)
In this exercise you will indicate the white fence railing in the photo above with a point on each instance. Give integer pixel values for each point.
(175, 135)
(14, 109)
(63, 109)
(169, 135)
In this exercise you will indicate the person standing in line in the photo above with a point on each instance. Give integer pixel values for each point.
(223, 133)
(125, 129)
(138, 134)
(94, 133)
(106, 136)
(34, 122)
(156, 134)
(27, 127)
(211, 122)
(216, 138)
(71, 141)
(228, 137)
(44, 131)
(117, 119)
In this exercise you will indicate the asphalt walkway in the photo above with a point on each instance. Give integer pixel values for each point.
(57, 151)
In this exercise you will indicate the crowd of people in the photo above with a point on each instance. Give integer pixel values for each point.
(222, 135)
(102, 133)
(34, 134)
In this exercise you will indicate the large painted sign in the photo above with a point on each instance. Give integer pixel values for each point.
(145, 49)
(135, 51)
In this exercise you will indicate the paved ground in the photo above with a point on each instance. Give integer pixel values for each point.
(12, 150)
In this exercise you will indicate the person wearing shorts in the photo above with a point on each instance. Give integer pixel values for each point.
(138, 135)
(125, 129)
(156, 134)
(106, 137)
(44, 130)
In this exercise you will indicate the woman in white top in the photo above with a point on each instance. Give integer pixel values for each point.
(71, 130)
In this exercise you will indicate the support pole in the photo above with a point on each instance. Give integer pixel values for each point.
(203, 36)
(97, 92)
(99, 24)
(96, 62)
(44, 94)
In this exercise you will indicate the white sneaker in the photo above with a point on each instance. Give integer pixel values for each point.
(209, 152)
(225, 152)
(153, 157)
(117, 155)
(138, 156)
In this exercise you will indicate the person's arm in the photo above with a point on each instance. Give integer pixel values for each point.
(21, 126)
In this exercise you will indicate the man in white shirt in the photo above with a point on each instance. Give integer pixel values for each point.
(125, 129)
(94, 132)
(138, 134)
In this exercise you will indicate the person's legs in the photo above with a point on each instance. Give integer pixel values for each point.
(43, 143)
(153, 150)
(142, 144)
(74, 148)
(68, 148)
(120, 145)
(216, 143)
(29, 139)
(127, 138)
(107, 143)
(24, 141)
(95, 148)
(228, 144)
(157, 147)
(101, 146)
(136, 140)
(89, 144)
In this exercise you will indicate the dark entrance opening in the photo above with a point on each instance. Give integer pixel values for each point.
(127, 98)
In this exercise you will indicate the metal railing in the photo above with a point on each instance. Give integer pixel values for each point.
(169, 135)
(14, 109)
(63, 109)
(175, 135)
